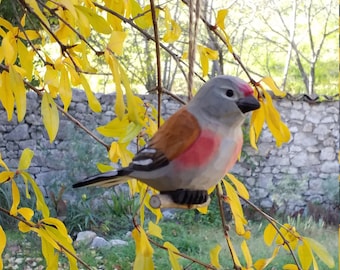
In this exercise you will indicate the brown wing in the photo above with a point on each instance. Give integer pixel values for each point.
(176, 135)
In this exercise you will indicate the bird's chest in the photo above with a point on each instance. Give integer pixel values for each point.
(201, 152)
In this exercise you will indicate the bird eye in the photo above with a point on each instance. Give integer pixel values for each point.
(229, 93)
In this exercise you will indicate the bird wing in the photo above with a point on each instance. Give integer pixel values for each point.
(177, 134)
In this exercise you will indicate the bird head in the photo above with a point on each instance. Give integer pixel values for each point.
(224, 97)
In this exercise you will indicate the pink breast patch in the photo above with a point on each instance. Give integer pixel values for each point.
(200, 152)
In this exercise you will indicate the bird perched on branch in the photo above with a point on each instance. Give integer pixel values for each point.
(194, 148)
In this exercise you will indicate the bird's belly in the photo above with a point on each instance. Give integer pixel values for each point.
(173, 177)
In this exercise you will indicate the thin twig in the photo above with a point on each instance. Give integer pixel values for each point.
(158, 61)
(194, 14)
(81, 37)
(273, 222)
(207, 266)
(225, 226)
(177, 58)
(63, 249)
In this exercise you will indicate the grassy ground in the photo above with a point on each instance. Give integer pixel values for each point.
(192, 235)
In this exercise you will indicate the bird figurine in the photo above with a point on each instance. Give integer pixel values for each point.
(194, 148)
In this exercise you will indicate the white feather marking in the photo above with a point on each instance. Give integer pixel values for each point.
(149, 150)
(143, 162)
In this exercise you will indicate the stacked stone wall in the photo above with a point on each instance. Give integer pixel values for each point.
(303, 171)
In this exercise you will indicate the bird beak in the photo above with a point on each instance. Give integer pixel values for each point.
(247, 104)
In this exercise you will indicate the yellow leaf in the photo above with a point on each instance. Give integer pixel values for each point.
(270, 82)
(84, 24)
(26, 59)
(236, 208)
(6, 94)
(64, 33)
(203, 210)
(115, 128)
(144, 251)
(120, 8)
(17, 85)
(56, 231)
(279, 130)
(290, 266)
(246, 254)
(65, 90)
(93, 101)
(305, 255)
(6, 176)
(116, 42)
(221, 14)
(58, 225)
(31, 34)
(119, 105)
(49, 254)
(25, 159)
(3, 164)
(33, 4)
(239, 186)
(134, 103)
(262, 263)
(206, 54)
(6, 24)
(132, 130)
(40, 201)
(75, 78)
(9, 47)
(104, 168)
(51, 79)
(120, 151)
(214, 252)
(2, 245)
(50, 116)
(83, 59)
(172, 256)
(23, 227)
(69, 5)
(320, 251)
(290, 235)
(26, 212)
(256, 124)
(233, 252)
(155, 230)
(98, 22)
(269, 234)
(16, 199)
(173, 30)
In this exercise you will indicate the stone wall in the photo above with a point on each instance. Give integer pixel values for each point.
(304, 170)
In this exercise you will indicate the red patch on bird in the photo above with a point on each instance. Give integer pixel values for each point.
(246, 89)
(201, 151)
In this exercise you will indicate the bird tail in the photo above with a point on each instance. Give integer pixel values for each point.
(107, 179)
